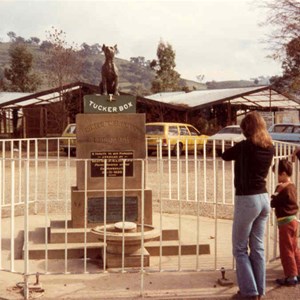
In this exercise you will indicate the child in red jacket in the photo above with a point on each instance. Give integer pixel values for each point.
(284, 200)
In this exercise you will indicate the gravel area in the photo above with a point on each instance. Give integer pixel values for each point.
(184, 186)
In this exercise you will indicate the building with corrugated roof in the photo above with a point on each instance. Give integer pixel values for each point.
(47, 113)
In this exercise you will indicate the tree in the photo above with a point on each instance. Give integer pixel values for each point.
(20, 39)
(166, 79)
(212, 84)
(2, 85)
(291, 64)
(200, 77)
(85, 49)
(19, 76)
(290, 81)
(140, 61)
(12, 36)
(63, 66)
(45, 46)
(96, 49)
(283, 16)
(35, 40)
(63, 62)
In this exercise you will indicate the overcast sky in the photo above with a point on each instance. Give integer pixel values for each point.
(218, 38)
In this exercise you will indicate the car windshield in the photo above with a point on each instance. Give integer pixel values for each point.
(71, 129)
(193, 131)
(283, 128)
(154, 129)
(236, 130)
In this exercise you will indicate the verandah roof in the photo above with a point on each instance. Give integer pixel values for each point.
(261, 97)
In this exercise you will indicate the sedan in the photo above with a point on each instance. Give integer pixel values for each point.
(225, 138)
(285, 132)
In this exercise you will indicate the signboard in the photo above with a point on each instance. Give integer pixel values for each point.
(115, 163)
(109, 104)
(114, 209)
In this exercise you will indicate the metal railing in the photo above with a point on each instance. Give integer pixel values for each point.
(192, 206)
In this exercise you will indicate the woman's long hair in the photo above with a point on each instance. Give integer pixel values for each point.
(255, 129)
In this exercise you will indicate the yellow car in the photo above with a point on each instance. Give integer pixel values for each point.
(68, 140)
(174, 136)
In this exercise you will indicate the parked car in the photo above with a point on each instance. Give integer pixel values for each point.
(285, 132)
(184, 133)
(225, 138)
(68, 141)
(178, 136)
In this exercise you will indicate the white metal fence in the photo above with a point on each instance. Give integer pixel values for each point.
(192, 202)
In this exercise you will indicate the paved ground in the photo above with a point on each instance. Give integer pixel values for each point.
(150, 285)
(185, 285)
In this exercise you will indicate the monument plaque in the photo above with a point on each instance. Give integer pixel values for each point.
(115, 163)
(95, 210)
(114, 209)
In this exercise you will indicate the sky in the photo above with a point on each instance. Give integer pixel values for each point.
(220, 39)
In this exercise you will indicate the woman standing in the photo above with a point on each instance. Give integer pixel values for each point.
(253, 158)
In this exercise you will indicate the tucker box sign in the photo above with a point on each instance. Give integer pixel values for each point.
(109, 104)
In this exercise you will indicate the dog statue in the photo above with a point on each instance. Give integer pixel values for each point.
(109, 72)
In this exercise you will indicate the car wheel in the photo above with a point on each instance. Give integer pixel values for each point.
(177, 149)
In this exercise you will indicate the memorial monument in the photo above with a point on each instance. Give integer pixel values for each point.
(107, 146)
(110, 197)
(110, 149)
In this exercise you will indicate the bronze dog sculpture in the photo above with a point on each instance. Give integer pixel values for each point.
(109, 72)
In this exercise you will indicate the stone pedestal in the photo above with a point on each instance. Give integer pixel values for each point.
(124, 238)
(95, 202)
(110, 153)
(132, 249)
(112, 137)
(130, 260)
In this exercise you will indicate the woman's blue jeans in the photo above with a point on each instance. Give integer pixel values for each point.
(250, 217)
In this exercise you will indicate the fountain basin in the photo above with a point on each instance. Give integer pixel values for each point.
(128, 233)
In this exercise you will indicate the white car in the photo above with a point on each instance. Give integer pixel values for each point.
(285, 132)
(225, 138)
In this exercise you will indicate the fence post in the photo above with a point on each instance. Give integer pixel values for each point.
(26, 231)
(1, 201)
(12, 217)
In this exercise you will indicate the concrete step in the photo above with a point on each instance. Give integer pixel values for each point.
(58, 233)
(94, 250)
(59, 250)
(170, 248)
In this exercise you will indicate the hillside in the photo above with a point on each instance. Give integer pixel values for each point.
(133, 77)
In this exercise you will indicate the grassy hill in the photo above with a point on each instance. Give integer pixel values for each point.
(133, 78)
